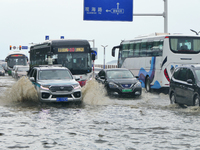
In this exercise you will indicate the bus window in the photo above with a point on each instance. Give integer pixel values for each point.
(131, 50)
(184, 45)
(89, 60)
(173, 44)
(196, 45)
(160, 48)
(149, 48)
(157, 48)
(143, 49)
(125, 50)
(137, 50)
(120, 58)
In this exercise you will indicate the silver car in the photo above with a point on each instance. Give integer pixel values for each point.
(55, 84)
(20, 71)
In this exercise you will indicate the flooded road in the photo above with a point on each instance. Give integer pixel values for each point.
(102, 122)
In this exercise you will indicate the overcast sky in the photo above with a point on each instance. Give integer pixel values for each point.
(25, 21)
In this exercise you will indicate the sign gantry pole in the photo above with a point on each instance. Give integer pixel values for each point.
(164, 14)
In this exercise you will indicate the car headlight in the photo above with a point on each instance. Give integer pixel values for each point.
(138, 84)
(44, 87)
(76, 86)
(113, 85)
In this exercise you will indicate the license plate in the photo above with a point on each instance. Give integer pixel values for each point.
(127, 90)
(61, 99)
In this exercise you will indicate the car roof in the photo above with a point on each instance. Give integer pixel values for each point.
(19, 66)
(22, 66)
(189, 66)
(116, 69)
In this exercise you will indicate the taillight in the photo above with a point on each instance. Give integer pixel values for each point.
(166, 74)
(82, 83)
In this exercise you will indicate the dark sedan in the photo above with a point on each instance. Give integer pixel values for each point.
(119, 80)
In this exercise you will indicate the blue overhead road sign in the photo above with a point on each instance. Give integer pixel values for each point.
(108, 10)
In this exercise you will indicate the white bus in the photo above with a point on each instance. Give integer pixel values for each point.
(153, 58)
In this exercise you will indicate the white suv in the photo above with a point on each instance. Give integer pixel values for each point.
(55, 84)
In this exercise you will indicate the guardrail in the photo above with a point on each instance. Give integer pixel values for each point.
(106, 66)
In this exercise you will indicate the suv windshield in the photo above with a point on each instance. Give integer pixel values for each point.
(189, 45)
(54, 74)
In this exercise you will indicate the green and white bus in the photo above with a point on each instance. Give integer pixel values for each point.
(66, 52)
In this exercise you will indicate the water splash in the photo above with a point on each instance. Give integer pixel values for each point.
(192, 109)
(22, 90)
(94, 93)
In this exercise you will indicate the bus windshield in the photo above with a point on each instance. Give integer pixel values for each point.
(75, 62)
(16, 61)
(184, 45)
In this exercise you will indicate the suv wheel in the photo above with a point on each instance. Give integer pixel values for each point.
(172, 98)
(196, 100)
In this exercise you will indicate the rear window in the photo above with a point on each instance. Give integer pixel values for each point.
(197, 71)
(184, 45)
(180, 74)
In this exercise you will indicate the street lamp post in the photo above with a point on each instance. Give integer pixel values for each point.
(104, 55)
(197, 33)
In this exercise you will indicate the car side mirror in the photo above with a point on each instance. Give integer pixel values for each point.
(77, 78)
(137, 77)
(189, 81)
(32, 79)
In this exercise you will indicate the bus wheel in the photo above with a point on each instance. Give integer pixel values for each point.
(147, 84)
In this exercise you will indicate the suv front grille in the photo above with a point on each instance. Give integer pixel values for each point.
(67, 95)
(61, 88)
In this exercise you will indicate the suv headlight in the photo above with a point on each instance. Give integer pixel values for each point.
(44, 87)
(76, 86)
(113, 85)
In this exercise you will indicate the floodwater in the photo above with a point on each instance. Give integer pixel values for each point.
(102, 122)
